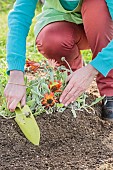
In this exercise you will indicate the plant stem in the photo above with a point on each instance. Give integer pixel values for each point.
(64, 59)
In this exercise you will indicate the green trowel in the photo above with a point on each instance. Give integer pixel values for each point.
(27, 124)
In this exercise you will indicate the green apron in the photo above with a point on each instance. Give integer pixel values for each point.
(53, 11)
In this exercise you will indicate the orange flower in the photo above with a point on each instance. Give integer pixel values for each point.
(49, 100)
(32, 65)
(55, 86)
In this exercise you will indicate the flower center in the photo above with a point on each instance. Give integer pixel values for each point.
(49, 101)
(54, 88)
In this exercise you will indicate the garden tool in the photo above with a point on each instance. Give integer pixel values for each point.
(28, 124)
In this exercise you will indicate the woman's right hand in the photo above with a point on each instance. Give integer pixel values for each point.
(15, 93)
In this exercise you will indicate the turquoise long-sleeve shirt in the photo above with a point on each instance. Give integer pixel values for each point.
(19, 21)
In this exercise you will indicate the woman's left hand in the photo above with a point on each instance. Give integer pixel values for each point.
(79, 81)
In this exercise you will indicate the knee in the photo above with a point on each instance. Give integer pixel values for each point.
(52, 44)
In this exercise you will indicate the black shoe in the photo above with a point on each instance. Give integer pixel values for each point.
(107, 108)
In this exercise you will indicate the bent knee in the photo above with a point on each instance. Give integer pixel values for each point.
(52, 42)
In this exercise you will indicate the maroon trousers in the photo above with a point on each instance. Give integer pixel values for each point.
(66, 39)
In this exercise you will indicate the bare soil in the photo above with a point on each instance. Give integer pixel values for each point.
(84, 143)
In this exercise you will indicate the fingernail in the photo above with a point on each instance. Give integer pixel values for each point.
(11, 110)
(60, 100)
(72, 102)
(66, 105)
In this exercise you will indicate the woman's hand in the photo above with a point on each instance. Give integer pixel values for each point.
(15, 93)
(79, 81)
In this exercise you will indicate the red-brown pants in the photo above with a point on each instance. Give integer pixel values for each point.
(66, 39)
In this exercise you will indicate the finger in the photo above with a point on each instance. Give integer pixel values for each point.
(71, 100)
(8, 100)
(69, 77)
(73, 96)
(5, 94)
(69, 96)
(23, 101)
(13, 105)
(66, 91)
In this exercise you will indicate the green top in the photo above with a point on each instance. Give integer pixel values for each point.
(54, 11)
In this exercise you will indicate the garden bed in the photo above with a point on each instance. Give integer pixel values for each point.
(84, 143)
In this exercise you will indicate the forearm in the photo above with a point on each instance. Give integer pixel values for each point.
(19, 21)
(104, 60)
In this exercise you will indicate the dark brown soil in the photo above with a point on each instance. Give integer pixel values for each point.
(84, 143)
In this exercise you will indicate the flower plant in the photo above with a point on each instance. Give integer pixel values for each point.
(44, 91)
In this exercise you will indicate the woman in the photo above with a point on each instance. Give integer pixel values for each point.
(63, 29)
